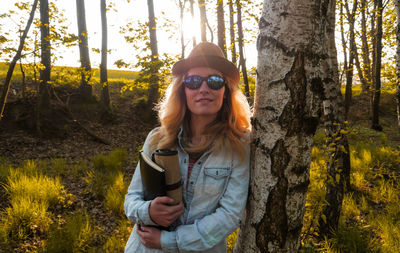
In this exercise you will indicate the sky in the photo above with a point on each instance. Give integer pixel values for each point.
(126, 12)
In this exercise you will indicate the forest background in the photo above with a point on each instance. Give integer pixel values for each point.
(69, 137)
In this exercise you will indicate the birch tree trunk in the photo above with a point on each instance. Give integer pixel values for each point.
(44, 86)
(338, 163)
(181, 5)
(232, 31)
(293, 70)
(203, 19)
(365, 49)
(352, 43)
(86, 69)
(397, 5)
(377, 67)
(242, 60)
(153, 89)
(105, 94)
(221, 26)
(17, 56)
(192, 14)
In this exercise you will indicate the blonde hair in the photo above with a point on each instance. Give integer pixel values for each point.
(232, 125)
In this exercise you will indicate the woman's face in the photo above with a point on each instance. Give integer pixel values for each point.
(204, 102)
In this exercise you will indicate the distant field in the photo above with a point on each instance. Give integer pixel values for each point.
(56, 70)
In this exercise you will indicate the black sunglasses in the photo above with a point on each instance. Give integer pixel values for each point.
(214, 82)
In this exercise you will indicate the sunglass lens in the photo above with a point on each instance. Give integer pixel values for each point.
(193, 82)
(215, 82)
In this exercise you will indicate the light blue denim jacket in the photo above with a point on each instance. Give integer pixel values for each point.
(214, 200)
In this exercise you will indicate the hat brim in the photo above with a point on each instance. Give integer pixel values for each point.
(219, 63)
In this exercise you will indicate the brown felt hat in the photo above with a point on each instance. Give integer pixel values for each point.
(207, 54)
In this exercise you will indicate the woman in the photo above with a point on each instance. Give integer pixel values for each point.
(206, 118)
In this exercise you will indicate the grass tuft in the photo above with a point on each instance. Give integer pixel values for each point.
(75, 234)
(39, 188)
(23, 219)
(115, 196)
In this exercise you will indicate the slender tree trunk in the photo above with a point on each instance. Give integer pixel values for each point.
(203, 19)
(181, 13)
(153, 89)
(43, 104)
(192, 14)
(21, 68)
(338, 163)
(17, 56)
(377, 68)
(365, 50)
(397, 4)
(352, 42)
(85, 87)
(241, 53)
(105, 94)
(232, 31)
(344, 45)
(221, 26)
(293, 70)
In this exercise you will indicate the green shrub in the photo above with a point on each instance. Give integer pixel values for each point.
(115, 196)
(117, 241)
(58, 167)
(39, 188)
(24, 218)
(106, 170)
(349, 206)
(347, 239)
(112, 162)
(77, 235)
(388, 230)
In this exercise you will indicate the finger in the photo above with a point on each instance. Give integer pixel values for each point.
(176, 208)
(164, 200)
(146, 229)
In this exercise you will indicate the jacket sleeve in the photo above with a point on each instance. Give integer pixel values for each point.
(208, 231)
(136, 209)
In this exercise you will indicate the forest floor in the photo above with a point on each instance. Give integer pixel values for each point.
(19, 144)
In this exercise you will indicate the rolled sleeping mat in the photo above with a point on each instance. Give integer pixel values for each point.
(169, 160)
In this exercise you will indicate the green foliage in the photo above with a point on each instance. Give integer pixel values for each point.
(105, 171)
(153, 68)
(39, 188)
(24, 218)
(347, 239)
(117, 241)
(112, 162)
(75, 234)
(231, 241)
(370, 214)
(115, 196)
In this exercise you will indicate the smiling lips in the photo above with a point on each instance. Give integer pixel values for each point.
(204, 100)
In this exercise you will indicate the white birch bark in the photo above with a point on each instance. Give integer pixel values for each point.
(293, 69)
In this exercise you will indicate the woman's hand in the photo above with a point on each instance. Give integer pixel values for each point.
(162, 213)
(149, 236)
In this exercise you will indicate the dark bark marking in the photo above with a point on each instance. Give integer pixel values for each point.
(317, 86)
(295, 115)
(273, 228)
(262, 40)
(299, 170)
(301, 187)
(263, 23)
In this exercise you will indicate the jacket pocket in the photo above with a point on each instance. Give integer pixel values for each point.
(216, 179)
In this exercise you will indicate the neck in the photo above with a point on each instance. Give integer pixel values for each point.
(198, 124)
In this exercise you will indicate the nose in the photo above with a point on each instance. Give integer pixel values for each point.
(204, 87)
